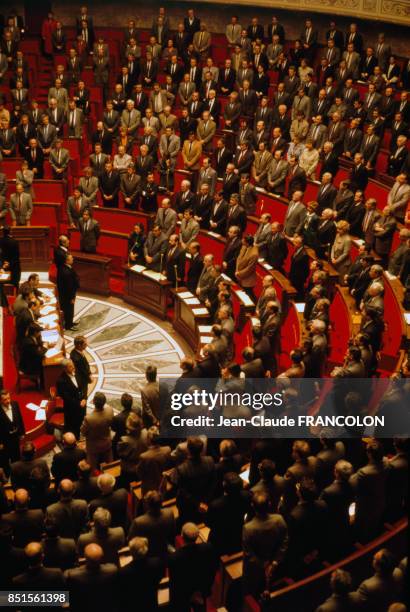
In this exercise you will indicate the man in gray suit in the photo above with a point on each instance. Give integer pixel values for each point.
(69, 515)
(207, 175)
(21, 206)
(295, 214)
(301, 104)
(262, 235)
(264, 541)
(247, 194)
(111, 539)
(89, 231)
(75, 120)
(130, 187)
(169, 146)
(76, 205)
(59, 160)
(186, 89)
(317, 132)
(207, 278)
(88, 186)
(189, 229)
(398, 197)
(130, 118)
(277, 173)
(166, 218)
(154, 248)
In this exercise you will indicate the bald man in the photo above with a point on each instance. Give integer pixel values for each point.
(37, 577)
(65, 463)
(92, 586)
(26, 524)
(70, 515)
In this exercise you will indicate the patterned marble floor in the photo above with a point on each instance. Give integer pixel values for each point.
(121, 343)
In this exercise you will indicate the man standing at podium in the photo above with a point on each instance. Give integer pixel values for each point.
(68, 284)
(174, 262)
(154, 249)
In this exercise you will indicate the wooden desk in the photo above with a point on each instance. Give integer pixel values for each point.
(94, 272)
(146, 292)
(34, 243)
(186, 322)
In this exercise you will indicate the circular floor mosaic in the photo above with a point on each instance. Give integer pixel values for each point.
(121, 343)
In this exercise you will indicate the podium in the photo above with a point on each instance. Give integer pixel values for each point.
(147, 290)
(189, 316)
(94, 272)
(34, 243)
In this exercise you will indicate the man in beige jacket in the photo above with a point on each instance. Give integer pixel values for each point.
(96, 428)
(246, 266)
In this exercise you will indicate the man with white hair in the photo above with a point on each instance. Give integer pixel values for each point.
(383, 231)
(374, 298)
(192, 569)
(184, 199)
(207, 175)
(319, 347)
(111, 539)
(166, 218)
(122, 160)
(328, 159)
(326, 232)
(130, 118)
(206, 280)
(327, 192)
(141, 575)
(112, 499)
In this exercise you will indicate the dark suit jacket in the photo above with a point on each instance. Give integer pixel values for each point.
(230, 254)
(116, 503)
(297, 181)
(67, 283)
(236, 217)
(227, 509)
(185, 580)
(71, 517)
(59, 552)
(277, 251)
(89, 589)
(219, 217)
(230, 186)
(82, 369)
(27, 526)
(194, 272)
(299, 270)
(142, 577)
(10, 431)
(65, 463)
(71, 396)
(89, 237)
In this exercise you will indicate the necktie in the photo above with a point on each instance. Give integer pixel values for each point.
(19, 202)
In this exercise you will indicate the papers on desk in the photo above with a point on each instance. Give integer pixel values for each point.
(214, 234)
(200, 311)
(192, 301)
(300, 306)
(205, 339)
(52, 352)
(204, 329)
(185, 295)
(244, 297)
(47, 291)
(226, 277)
(47, 309)
(157, 276)
(138, 268)
(50, 336)
(40, 415)
(50, 319)
(407, 317)
(44, 403)
(4, 276)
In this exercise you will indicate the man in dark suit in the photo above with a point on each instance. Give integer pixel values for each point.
(93, 584)
(223, 156)
(82, 367)
(114, 500)
(27, 525)
(60, 251)
(35, 158)
(231, 251)
(230, 183)
(329, 160)
(174, 262)
(37, 577)
(73, 404)
(338, 496)
(89, 233)
(192, 569)
(67, 284)
(299, 268)
(104, 137)
(65, 463)
(110, 185)
(297, 177)
(70, 515)
(385, 586)
(219, 209)
(10, 252)
(191, 25)
(142, 575)
(196, 265)
(359, 175)
(236, 214)
(327, 192)
(194, 479)
(20, 471)
(277, 248)
(12, 430)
